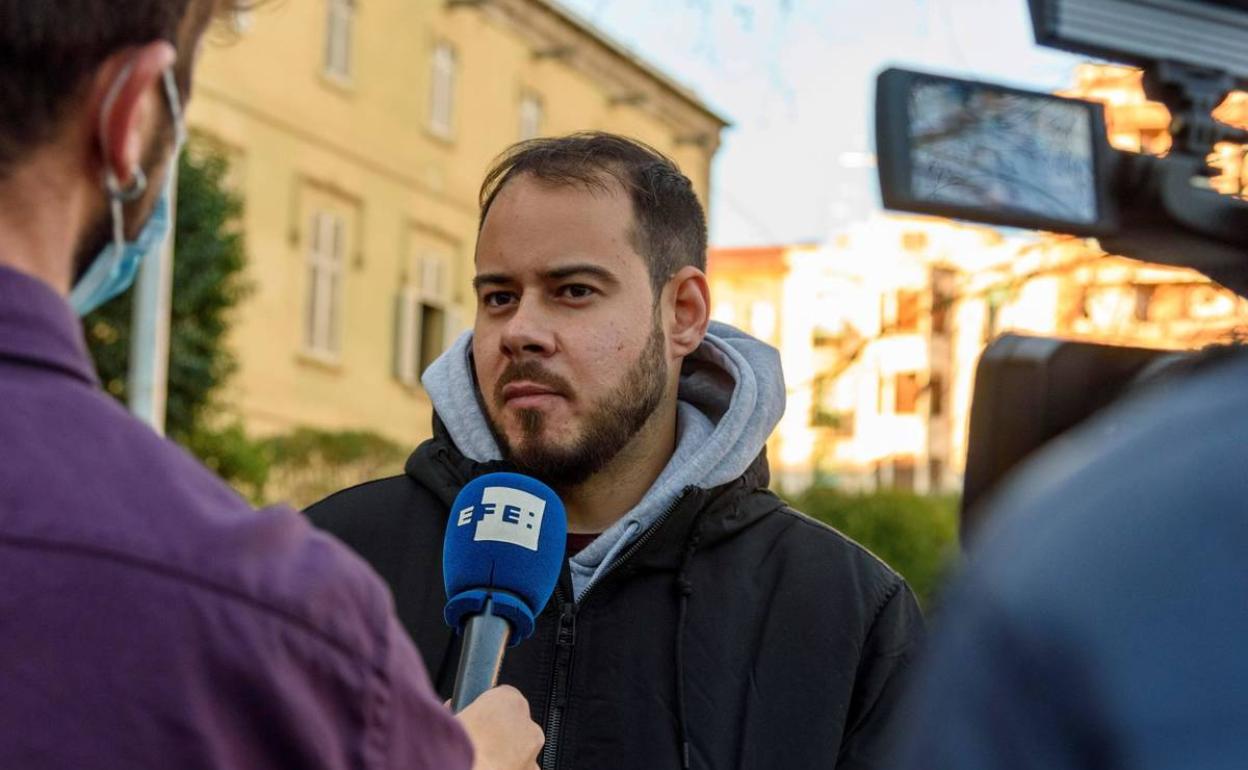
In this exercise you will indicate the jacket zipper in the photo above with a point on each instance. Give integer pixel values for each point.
(565, 641)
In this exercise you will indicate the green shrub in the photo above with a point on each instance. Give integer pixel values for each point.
(915, 535)
(308, 464)
(208, 284)
(232, 455)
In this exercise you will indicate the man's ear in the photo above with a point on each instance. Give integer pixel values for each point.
(691, 310)
(127, 106)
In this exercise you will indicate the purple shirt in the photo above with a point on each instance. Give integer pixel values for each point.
(149, 618)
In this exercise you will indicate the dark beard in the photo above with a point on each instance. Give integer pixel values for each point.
(613, 423)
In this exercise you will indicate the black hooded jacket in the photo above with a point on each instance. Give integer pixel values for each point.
(734, 633)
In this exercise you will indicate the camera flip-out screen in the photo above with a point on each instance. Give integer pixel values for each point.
(971, 146)
(988, 153)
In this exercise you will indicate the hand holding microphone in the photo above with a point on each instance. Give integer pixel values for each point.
(504, 548)
(503, 734)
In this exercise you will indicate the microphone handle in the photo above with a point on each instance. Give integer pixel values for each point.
(485, 639)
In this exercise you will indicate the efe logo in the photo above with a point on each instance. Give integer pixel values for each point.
(506, 515)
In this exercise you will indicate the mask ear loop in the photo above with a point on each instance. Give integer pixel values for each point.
(175, 107)
(117, 195)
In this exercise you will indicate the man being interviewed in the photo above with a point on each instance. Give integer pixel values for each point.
(699, 622)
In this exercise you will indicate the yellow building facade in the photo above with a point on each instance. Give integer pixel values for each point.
(358, 133)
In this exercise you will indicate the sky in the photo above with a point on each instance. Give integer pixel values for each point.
(796, 78)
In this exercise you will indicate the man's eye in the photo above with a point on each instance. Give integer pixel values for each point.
(497, 299)
(577, 291)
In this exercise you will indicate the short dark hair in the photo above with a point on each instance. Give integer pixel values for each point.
(48, 48)
(669, 226)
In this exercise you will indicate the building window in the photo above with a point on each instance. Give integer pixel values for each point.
(422, 317)
(323, 305)
(530, 116)
(903, 474)
(823, 415)
(906, 393)
(936, 395)
(442, 91)
(907, 311)
(338, 38)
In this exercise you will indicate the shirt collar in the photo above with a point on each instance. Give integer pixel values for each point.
(37, 326)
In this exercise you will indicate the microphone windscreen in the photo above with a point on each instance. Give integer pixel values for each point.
(506, 539)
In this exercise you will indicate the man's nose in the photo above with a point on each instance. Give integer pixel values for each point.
(529, 331)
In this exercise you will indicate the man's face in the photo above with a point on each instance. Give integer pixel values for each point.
(570, 356)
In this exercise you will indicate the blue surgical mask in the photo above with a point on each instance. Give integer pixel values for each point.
(114, 269)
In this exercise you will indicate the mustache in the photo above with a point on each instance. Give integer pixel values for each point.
(530, 371)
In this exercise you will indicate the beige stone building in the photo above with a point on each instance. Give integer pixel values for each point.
(874, 338)
(359, 131)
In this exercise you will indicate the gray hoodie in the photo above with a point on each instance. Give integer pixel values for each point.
(731, 397)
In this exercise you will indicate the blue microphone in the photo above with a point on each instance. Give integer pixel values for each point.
(505, 544)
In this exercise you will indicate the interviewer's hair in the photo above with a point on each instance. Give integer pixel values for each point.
(49, 48)
(669, 226)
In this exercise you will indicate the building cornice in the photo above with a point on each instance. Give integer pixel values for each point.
(555, 33)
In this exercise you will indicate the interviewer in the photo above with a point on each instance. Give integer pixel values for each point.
(148, 617)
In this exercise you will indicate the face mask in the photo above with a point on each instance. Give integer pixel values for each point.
(114, 269)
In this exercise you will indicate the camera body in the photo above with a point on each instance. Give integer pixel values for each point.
(982, 152)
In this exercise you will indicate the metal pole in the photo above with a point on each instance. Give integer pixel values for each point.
(149, 331)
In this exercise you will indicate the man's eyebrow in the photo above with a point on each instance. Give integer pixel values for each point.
(568, 271)
(491, 279)
(554, 274)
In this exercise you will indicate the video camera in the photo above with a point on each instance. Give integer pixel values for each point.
(1004, 156)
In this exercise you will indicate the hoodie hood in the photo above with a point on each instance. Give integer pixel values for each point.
(731, 396)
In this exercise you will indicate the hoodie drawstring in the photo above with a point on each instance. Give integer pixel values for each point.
(684, 589)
